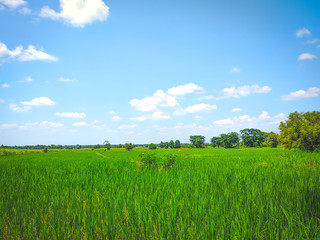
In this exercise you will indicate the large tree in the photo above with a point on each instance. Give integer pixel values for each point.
(271, 139)
(177, 144)
(301, 130)
(252, 137)
(216, 142)
(107, 144)
(197, 141)
(229, 140)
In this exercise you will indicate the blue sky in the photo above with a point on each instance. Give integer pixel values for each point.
(81, 72)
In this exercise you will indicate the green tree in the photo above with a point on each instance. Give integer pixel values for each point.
(252, 137)
(161, 144)
(301, 130)
(45, 150)
(229, 140)
(171, 144)
(152, 146)
(197, 141)
(107, 144)
(166, 145)
(177, 144)
(271, 139)
(215, 142)
(128, 146)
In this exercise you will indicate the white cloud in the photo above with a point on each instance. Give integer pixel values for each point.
(236, 70)
(209, 97)
(8, 125)
(78, 13)
(126, 126)
(27, 126)
(246, 120)
(116, 118)
(244, 91)
(303, 32)
(16, 108)
(25, 11)
(1, 7)
(159, 115)
(28, 79)
(5, 85)
(315, 40)
(61, 79)
(112, 112)
(20, 54)
(182, 126)
(40, 101)
(184, 89)
(51, 124)
(300, 94)
(13, 3)
(202, 107)
(80, 124)
(236, 110)
(203, 128)
(141, 118)
(198, 117)
(1, 100)
(71, 115)
(306, 56)
(318, 46)
(159, 98)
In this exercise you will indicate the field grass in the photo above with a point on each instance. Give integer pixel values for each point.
(208, 194)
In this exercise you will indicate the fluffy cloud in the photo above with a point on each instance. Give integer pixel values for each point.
(40, 101)
(78, 13)
(312, 41)
(159, 115)
(16, 108)
(116, 118)
(80, 124)
(306, 56)
(25, 11)
(244, 91)
(303, 32)
(112, 112)
(202, 107)
(141, 118)
(126, 126)
(184, 89)
(51, 124)
(20, 54)
(5, 85)
(160, 98)
(236, 110)
(8, 125)
(71, 115)
(300, 94)
(243, 120)
(61, 79)
(13, 3)
(236, 70)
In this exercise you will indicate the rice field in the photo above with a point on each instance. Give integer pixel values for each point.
(256, 193)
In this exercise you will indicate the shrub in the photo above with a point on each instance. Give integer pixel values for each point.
(152, 146)
(150, 161)
(45, 150)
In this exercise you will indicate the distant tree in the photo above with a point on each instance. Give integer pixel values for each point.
(271, 139)
(152, 146)
(216, 142)
(166, 145)
(301, 130)
(197, 141)
(128, 146)
(45, 150)
(252, 137)
(177, 144)
(229, 140)
(107, 144)
(171, 144)
(161, 144)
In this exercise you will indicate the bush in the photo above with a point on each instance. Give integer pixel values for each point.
(45, 150)
(150, 161)
(152, 146)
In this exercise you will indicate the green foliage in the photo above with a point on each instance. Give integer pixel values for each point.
(171, 144)
(161, 145)
(107, 144)
(166, 145)
(152, 146)
(197, 141)
(229, 140)
(150, 160)
(252, 137)
(128, 146)
(45, 150)
(301, 130)
(215, 142)
(271, 139)
(177, 144)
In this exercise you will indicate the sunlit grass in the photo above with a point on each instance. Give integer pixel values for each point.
(209, 193)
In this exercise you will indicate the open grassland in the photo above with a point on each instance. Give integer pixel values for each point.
(208, 194)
